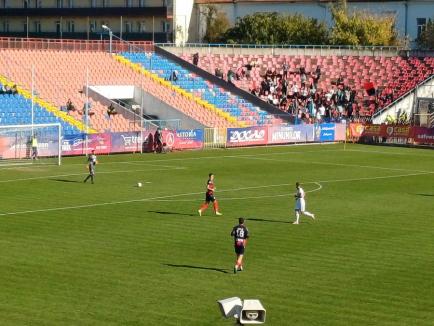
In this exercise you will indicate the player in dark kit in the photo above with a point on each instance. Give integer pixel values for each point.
(91, 162)
(240, 234)
(209, 197)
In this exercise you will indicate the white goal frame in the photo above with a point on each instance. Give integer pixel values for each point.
(32, 128)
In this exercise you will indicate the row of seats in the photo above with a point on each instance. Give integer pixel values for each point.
(61, 75)
(17, 110)
(395, 74)
(237, 107)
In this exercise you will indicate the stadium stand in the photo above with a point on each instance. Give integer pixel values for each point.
(62, 74)
(391, 77)
(15, 109)
(205, 113)
(244, 111)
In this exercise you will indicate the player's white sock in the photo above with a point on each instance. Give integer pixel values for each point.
(309, 214)
(297, 217)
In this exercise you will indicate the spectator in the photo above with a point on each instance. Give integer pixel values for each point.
(174, 75)
(70, 106)
(303, 77)
(2, 90)
(219, 73)
(285, 68)
(231, 76)
(196, 58)
(249, 67)
(240, 73)
(111, 110)
(14, 90)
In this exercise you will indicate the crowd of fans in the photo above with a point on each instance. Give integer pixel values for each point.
(302, 98)
(8, 90)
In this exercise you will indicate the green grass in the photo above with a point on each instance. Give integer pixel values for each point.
(120, 259)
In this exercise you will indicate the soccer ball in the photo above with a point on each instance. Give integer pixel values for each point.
(139, 184)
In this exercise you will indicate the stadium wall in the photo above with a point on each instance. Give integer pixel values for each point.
(325, 50)
(402, 134)
(156, 107)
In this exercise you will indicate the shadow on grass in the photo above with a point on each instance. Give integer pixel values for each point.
(220, 270)
(426, 195)
(65, 180)
(171, 213)
(265, 220)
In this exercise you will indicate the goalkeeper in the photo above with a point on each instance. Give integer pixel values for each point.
(91, 162)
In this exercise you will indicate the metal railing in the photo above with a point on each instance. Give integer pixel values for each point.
(171, 124)
(285, 46)
(72, 45)
(413, 90)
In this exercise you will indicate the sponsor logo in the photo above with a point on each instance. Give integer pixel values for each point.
(131, 140)
(242, 136)
(187, 134)
(170, 139)
(286, 135)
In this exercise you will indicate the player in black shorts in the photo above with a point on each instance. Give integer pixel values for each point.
(240, 234)
(209, 197)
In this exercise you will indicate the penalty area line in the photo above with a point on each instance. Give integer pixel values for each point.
(86, 173)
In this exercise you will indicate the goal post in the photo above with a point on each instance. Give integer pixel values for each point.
(30, 144)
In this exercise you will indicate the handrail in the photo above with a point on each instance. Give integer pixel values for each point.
(70, 44)
(376, 114)
(283, 46)
(128, 107)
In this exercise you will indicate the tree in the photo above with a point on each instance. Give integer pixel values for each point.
(217, 24)
(426, 38)
(274, 28)
(361, 27)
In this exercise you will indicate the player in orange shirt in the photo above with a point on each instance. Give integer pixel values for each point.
(209, 197)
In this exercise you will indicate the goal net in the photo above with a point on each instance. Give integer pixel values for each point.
(30, 144)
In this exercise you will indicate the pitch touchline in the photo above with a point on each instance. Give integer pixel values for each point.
(201, 192)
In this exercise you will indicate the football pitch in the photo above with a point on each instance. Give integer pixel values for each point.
(112, 253)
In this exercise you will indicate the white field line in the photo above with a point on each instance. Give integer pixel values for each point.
(245, 156)
(388, 153)
(85, 173)
(330, 163)
(201, 192)
(244, 198)
(168, 160)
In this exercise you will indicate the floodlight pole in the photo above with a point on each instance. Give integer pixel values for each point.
(86, 109)
(141, 120)
(33, 101)
(105, 27)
